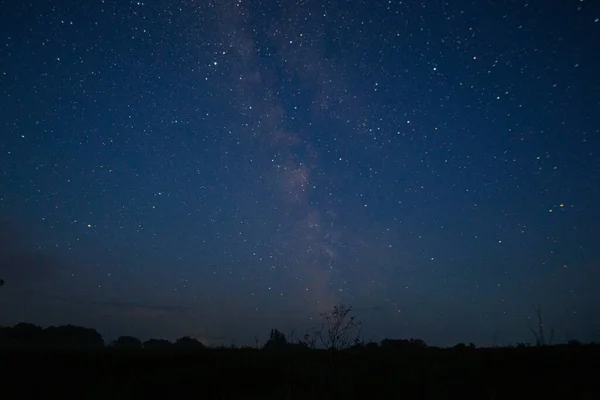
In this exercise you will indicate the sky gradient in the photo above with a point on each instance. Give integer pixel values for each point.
(217, 169)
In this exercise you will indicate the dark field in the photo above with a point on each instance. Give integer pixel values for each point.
(365, 372)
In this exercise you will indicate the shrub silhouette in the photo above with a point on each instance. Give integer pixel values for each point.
(403, 344)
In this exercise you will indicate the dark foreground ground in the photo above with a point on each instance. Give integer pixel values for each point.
(558, 372)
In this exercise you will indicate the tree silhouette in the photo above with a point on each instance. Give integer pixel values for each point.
(277, 340)
(157, 344)
(539, 334)
(340, 330)
(1, 282)
(187, 342)
(71, 336)
(127, 342)
(24, 335)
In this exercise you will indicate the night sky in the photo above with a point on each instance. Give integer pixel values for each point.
(220, 168)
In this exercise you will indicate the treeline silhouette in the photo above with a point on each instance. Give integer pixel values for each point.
(72, 361)
(27, 336)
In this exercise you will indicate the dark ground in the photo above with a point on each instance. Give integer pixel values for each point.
(563, 371)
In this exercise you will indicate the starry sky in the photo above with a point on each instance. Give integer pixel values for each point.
(220, 168)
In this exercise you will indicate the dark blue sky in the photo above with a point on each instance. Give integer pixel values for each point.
(217, 169)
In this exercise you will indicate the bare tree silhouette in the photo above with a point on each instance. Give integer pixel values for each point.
(339, 330)
(539, 334)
